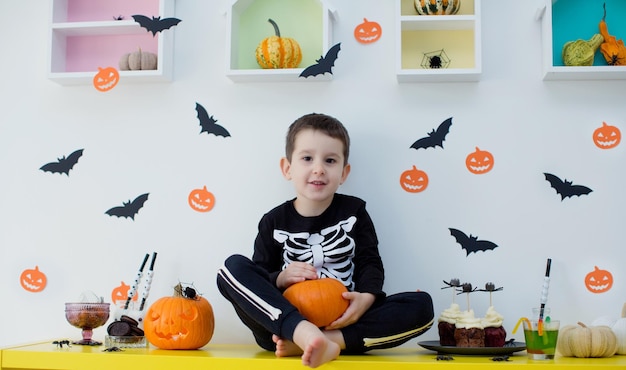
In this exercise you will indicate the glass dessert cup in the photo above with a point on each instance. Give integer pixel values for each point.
(87, 316)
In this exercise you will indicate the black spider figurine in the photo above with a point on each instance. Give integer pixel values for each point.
(118, 18)
(500, 358)
(441, 357)
(435, 62)
(112, 349)
(61, 343)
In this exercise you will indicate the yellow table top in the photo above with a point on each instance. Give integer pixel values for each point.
(50, 356)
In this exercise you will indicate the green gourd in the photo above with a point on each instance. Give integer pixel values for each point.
(581, 52)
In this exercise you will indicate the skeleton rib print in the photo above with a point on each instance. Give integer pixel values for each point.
(330, 251)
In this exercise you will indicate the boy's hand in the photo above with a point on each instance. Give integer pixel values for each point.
(359, 303)
(295, 272)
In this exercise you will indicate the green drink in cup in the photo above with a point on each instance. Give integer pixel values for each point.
(541, 345)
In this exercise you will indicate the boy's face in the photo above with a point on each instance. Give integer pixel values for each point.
(317, 169)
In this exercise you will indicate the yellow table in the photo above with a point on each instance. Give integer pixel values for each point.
(223, 357)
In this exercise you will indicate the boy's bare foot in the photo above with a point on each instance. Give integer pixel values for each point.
(286, 348)
(317, 349)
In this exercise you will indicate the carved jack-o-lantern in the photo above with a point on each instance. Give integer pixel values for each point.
(479, 162)
(414, 180)
(201, 200)
(368, 32)
(33, 280)
(120, 293)
(607, 136)
(598, 280)
(106, 79)
(184, 321)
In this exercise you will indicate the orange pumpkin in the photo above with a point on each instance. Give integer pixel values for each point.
(414, 180)
(598, 280)
(33, 280)
(320, 301)
(201, 200)
(367, 32)
(183, 321)
(479, 162)
(607, 136)
(106, 79)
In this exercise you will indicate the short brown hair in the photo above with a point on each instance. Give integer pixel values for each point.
(318, 122)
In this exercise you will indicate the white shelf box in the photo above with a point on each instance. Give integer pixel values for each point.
(552, 70)
(309, 22)
(85, 36)
(457, 38)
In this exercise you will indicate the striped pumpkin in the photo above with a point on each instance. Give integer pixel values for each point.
(278, 52)
(437, 7)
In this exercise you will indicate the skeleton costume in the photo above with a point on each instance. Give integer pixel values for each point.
(342, 244)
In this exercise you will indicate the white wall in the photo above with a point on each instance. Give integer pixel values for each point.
(145, 138)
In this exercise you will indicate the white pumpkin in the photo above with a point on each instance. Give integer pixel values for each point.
(618, 325)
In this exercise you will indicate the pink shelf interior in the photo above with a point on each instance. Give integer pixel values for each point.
(87, 53)
(90, 10)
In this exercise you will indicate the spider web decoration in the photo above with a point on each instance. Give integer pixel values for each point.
(435, 60)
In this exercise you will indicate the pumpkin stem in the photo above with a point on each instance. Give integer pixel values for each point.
(178, 290)
(624, 310)
(276, 30)
(581, 324)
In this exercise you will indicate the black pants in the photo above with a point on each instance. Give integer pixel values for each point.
(261, 306)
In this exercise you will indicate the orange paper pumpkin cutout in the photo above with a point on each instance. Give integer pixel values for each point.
(598, 280)
(33, 280)
(106, 79)
(414, 180)
(120, 293)
(479, 162)
(607, 136)
(201, 200)
(367, 32)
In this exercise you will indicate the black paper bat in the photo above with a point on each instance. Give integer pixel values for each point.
(471, 244)
(155, 24)
(565, 188)
(63, 165)
(435, 137)
(209, 124)
(129, 209)
(324, 63)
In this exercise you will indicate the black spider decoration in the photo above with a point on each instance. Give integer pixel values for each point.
(61, 343)
(186, 291)
(435, 60)
(500, 358)
(118, 18)
(112, 349)
(441, 357)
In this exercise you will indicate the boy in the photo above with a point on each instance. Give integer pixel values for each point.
(319, 234)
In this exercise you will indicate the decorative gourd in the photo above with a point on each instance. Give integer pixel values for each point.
(586, 341)
(581, 52)
(278, 52)
(619, 329)
(613, 50)
(183, 321)
(138, 60)
(320, 301)
(437, 7)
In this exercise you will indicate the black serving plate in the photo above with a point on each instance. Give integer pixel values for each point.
(508, 349)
